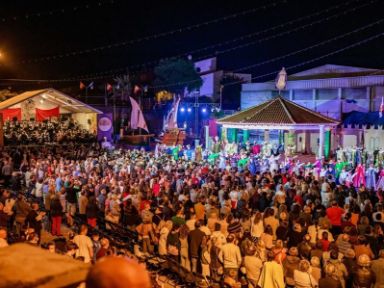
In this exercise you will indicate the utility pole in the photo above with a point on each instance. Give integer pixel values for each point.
(197, 94)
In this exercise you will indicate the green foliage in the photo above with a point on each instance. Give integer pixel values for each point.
(176, 74)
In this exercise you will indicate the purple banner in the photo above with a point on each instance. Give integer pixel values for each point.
(104, 126)
(212, 128)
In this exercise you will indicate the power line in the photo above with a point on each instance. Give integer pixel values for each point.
(364, 41)
(104, 74)
(59, 11)
(311, 47)
(158, 35)
(353, 45)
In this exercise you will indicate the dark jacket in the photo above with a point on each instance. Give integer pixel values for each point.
(329, 282)
(56, 207)
(363, 278)
(195, 238)
(91, 210)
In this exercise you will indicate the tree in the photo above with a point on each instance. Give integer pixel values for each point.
(177, 74)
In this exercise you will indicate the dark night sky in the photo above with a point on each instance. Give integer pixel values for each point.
(48, 35)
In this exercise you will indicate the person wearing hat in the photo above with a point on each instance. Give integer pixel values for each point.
(378, 268)
(363, 276)
(291, 263)
(341, 271)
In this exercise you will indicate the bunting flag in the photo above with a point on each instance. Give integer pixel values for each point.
(90, 86)
(381, 108)
(109, 87)
(82, 85)
(137, 117)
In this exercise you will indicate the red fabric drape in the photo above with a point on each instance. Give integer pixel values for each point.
(9, 114)
(47, 114)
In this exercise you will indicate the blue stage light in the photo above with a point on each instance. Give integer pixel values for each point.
(182, 109)
(189, 110)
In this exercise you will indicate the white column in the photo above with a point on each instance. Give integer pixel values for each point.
(321, 141)
(266, 136)
(314, 100)
(340, 99)
(291, 95)
(206, 129)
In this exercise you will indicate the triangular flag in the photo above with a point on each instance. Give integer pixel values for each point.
(381, 108)
(109, 87)
(90, 86)
(82, 85)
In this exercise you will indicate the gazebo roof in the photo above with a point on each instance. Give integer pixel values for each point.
(277, 113)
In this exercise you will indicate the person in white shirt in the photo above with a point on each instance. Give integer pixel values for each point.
(230, 254)
(84, 245)
(257, 227)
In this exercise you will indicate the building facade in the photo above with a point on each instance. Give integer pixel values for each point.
(333, 91)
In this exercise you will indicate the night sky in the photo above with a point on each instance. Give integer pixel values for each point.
(31, 31)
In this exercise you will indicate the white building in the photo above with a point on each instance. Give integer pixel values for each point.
(332, 90)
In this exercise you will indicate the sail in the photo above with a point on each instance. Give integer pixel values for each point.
(172, 116)
(137, 117)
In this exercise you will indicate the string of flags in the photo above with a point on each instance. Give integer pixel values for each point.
(109, 87)
(163, 34)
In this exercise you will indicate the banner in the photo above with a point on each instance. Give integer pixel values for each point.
(11, 113)
(42, 115)
(104, 126)
(212, 128)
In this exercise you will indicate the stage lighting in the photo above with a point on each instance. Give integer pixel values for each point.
(182, 109)
(189, 110)
(204, 110)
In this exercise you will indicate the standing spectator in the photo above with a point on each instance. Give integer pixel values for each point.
(3, 238)
(34, 219)
(272, 274)
(330, 280)
(363, 276)
(84, 245)
(56, 215)
(302, 276)
(253, 265)
(83, 202)
(195, 238)
(378, 268)
(230, 254)
(91, 212)
(334, 214)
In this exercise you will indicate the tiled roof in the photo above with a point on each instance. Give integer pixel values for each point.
(278, 111)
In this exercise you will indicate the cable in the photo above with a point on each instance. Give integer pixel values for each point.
(59, 11)
(247, 67)
(310, 47)
(376, 36)
(158, 35)
(100, 75)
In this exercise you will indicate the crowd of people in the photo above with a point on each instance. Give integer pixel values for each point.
(46, 132)
(224, 219)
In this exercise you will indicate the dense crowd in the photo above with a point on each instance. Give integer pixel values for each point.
(30, 132)
(285, 226)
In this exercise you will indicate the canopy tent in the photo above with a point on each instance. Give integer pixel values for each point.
(47, 103)
(280, 114)
(24, 265)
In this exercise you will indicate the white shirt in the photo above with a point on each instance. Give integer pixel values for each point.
(84, 244)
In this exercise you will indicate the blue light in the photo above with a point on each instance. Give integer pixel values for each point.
(189, 110)
(204, 110)
(182, 109)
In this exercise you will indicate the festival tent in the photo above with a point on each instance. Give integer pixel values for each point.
(45, 104)
(25, 265)
(281, 114)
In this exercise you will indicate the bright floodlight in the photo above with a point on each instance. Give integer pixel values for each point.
(189, 109)
(182, 109)
(204, 110)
